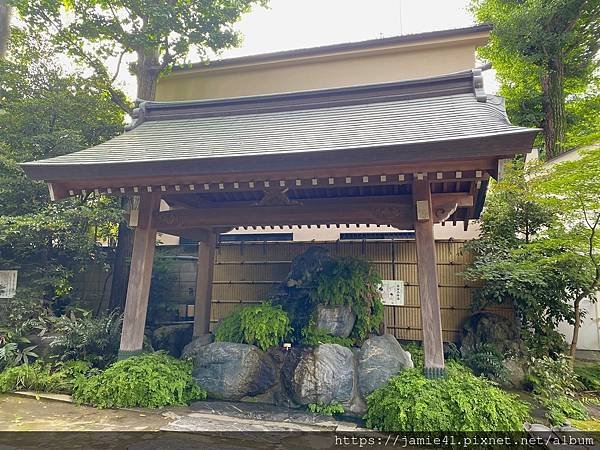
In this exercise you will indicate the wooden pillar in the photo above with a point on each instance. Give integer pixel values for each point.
(428, 285)
(206, 262)
(138, 287)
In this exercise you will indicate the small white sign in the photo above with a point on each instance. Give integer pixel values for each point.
(392, 292)
(8, 283)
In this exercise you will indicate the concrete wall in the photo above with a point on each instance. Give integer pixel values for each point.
(377, 64)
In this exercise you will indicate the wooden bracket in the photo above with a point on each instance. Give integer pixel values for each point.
(276, 197)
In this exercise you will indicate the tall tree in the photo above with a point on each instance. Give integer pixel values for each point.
(5, 15)
(540, 247)
(545, 53)
(157, 34)
(572, 188)
(46, 112)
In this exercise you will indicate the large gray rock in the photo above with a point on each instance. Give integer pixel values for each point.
(491, 329)
(192, 348)
(232, 371)
(323, 374)
(335, 320)
(379, 359)
(515, 373)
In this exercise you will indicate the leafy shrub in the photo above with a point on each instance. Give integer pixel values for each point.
(151, 380)
(43, 377)
(354, 283)
(486, 360)
(328, 410)
(263, 325)
(460, 402)
(589, 376)
(552, 377)
(563, 408)
(79, 336)
(554, 384)
(15, 353)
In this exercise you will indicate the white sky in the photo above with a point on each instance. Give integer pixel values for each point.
(292, 24)
(289, 24)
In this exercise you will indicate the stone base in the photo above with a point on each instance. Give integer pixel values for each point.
(434, 373)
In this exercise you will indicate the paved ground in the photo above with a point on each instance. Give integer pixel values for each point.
(225, 425)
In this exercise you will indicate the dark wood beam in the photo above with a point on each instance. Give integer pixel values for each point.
(340, 172)
(379, 210)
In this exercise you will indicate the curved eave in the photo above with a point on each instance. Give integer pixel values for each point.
(505, 144)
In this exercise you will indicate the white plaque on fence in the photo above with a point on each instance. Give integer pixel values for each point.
(392, 292)
(8, 283)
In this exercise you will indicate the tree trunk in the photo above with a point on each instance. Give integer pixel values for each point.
(553, 105)
(5, 16)
(576, 326)
(147, 71)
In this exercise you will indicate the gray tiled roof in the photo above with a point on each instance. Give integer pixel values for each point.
(379, 124)
(254, 129)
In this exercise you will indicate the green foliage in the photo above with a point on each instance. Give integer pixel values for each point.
(354, 283)
(486, 360)
(263, 325)
(563, 408)
(460, 402)
(545, 57)
(151, 380)
(331, 409)
(313, 337)
(589, 376)
(229, 329)
(159, 34)
(554, 384)
(160, 304)
(79, 336)
(15, 353)
(43, 377)
(538, 245)
(47, 112)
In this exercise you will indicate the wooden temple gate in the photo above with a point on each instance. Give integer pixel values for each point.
(407, 154)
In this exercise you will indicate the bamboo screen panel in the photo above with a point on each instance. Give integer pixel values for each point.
(245, 273)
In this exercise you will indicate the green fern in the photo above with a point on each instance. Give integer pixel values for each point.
(152, 380)
(461, 402)
(351, 282)
(331, 409)
(263, 325)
